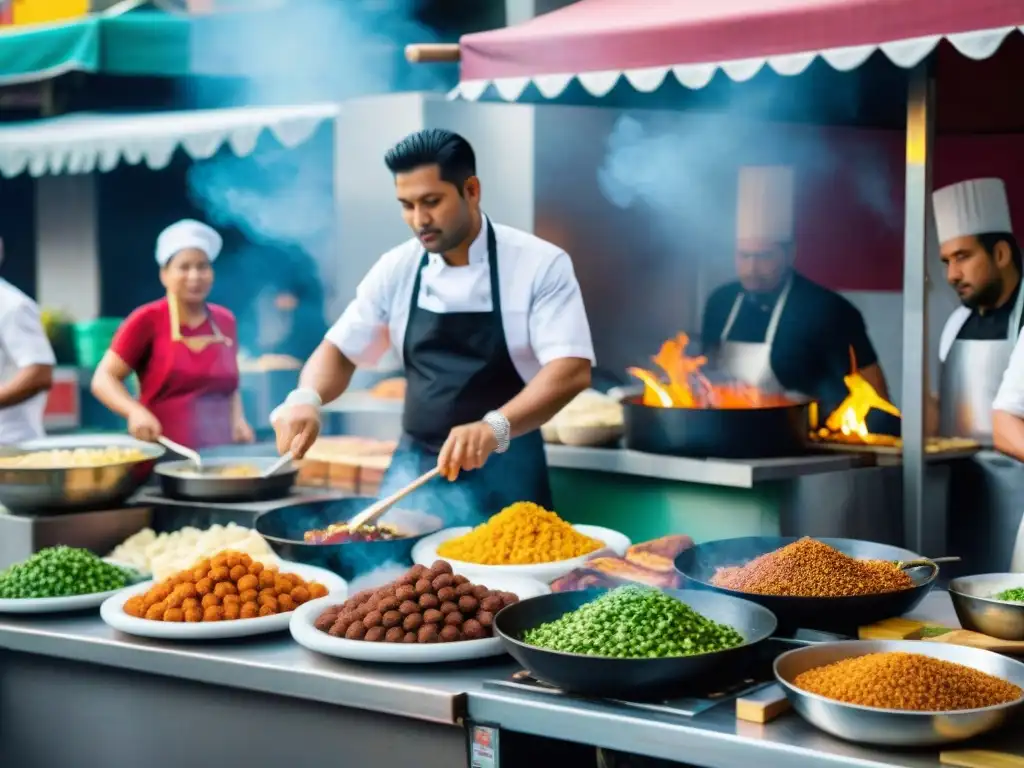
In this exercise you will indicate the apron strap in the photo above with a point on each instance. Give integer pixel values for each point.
(492, 262)
(773, 322)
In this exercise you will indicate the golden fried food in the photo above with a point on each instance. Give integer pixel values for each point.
(224, 588)
(69, 458)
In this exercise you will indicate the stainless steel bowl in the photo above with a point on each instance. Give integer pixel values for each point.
(893, 727)
(977, 611)
(52, 491)
(180, 480)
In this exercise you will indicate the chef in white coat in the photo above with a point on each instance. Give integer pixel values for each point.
(773, 328)
(26, 366)
(983, 264)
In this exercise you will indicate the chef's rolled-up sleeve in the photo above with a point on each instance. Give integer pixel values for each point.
(23, 337)
(1010, 397)
(361, 333)
(558, 318)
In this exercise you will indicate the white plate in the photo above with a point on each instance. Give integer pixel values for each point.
(112, 612)
(60, 604)
(310, 637)
(425, 553)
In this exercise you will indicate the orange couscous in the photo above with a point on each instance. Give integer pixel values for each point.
(521, 534)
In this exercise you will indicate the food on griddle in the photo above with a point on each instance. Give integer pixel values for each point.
(340, 533)
(165, 554)
(659, 554)
(907, 681)
(634, 622)
(521, 534)
(425, 605)
(1015, 595)
(61, 572)
(229, 586)
(810, 568)
(230, 470)
(70, 458)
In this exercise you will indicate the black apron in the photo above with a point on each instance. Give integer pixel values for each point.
(457, 368)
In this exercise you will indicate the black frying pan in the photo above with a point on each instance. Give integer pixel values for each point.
(837, 614)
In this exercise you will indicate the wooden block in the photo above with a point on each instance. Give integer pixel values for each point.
(312, 473)
(343, 476)
(892, 629)
(762, 705)
(980, 758)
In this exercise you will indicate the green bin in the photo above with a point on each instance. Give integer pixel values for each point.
(92, 339)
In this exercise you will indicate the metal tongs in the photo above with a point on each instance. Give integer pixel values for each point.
(181, 450)
(371, 514)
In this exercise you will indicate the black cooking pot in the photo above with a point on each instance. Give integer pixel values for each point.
(727, 433)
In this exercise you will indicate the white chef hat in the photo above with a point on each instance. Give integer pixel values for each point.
(764, 207)
(187, 233)
(973, 207)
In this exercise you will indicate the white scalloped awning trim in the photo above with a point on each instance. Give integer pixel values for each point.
(980, 44)
(86, 142)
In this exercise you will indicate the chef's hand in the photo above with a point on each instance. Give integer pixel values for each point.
(296, 428)
(241, 432)
(143, 425)
(467, 447)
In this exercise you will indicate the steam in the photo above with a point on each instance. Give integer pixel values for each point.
(277, 199)
(378, 577)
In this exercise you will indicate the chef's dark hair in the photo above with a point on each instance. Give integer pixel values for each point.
(434, 146)
(990, 239)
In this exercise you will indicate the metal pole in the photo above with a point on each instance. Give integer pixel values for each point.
(918, 221)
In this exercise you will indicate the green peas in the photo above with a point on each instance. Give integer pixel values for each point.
(634, 622)
(61, 572)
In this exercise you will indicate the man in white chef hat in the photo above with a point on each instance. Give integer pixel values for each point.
(26, 366)
(983, 264)
(773, 328)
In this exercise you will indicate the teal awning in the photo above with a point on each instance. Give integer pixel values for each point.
(29, 54)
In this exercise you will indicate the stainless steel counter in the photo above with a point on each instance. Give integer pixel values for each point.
(444, 695)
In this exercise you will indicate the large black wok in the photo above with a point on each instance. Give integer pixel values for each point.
(631, 678)
(835, 614)
(728, 433)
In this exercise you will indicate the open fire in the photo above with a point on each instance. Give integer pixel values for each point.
(848, 422)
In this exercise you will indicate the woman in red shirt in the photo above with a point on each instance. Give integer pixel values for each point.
(183, 350)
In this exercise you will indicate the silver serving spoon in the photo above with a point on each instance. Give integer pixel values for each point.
(181, 450)
(276, 467)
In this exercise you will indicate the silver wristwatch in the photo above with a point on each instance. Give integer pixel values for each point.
(501, 428)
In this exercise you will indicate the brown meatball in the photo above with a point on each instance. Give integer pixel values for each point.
(408, 607)
(374, 635)
(441, 566)
(356, 631)
(449, 634)
(410, 637)
(453, 619)
(480, 592)
(422, 586)
(449, 607)
(464, 589)
(325, 621)
(389, 603)
(468, 605)
(405, 592)
(491, 604)
(394, 635)
(418, 572)
(373, 619)
(391, 619)
(509, 598)
(428, 634)
(432, 616)
(446, 594)
(429, 601)
(339, 628)
(412, 622)
(442, 581)
(486, 618)
(458, 579)
(473, 630)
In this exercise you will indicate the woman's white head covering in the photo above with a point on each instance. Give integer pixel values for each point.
(187, 233)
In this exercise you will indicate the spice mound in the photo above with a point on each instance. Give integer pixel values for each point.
(810, 568)
(61, 572)
(907, 681)
(228, 586)
(634, 622)
(521, 534)
(426, 605)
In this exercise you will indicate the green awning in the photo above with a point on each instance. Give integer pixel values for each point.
(146, 43)
(40, 52)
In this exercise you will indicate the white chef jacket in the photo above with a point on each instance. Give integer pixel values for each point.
(542, 308)
(23, 343)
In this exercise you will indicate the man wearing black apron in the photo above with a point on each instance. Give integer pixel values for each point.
(490, 324)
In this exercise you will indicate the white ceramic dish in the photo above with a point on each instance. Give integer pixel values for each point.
(425, 553)
(112, 612)
(61, 604)
(308, 636)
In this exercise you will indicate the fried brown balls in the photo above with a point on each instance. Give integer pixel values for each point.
(425, 605)
(224, 588)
